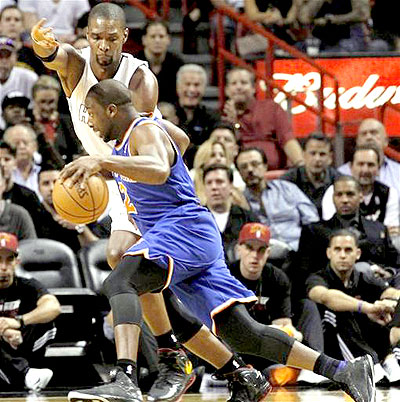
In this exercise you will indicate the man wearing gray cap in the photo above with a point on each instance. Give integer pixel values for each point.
(13, 78)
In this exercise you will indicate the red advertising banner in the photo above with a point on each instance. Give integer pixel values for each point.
(365, 84)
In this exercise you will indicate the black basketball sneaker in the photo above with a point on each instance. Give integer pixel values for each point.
(175, 376)
(246, 384)
(120, 389)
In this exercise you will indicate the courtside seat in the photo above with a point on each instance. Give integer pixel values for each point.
(75, 347)
(95, 269)
(50, 262)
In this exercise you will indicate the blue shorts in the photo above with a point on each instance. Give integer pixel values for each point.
(189, 246)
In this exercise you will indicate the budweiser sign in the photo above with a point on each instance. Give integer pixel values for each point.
(365, 84)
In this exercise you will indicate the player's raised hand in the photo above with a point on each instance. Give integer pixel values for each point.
(43, 37)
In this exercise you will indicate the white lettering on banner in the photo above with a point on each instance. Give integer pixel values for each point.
(356, 97)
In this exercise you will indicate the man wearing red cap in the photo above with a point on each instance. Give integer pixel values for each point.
(270, 284)
(26, 314)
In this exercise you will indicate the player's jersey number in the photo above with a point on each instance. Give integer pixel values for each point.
(131, 209)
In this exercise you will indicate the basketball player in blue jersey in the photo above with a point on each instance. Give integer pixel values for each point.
(180, 248)
(78, 71)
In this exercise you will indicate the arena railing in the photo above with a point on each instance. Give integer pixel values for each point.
(151, 9)
(272, 42)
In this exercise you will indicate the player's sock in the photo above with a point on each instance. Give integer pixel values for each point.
(327, 366)
(129, 367)
(167, 341)
(233, 364)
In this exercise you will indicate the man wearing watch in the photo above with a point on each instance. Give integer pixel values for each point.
(360, 313)
(27, 312)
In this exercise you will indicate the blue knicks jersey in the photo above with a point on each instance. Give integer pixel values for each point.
(148, 203)
(180, 236)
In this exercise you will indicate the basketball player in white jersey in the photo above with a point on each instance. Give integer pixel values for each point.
(78, 72)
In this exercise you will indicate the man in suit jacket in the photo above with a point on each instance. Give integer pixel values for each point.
(374, 241)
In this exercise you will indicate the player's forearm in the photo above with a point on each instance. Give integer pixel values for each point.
(143, 169)
(59, 64)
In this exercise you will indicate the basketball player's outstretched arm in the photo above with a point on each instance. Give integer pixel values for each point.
(68, 63)
(151, 161)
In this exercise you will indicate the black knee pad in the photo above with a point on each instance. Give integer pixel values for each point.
(245, 335)
(134, 272)
(115, 284)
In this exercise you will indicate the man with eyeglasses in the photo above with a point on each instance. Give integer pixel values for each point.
(279, 204)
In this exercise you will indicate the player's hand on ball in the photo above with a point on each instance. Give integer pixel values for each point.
(43, 36)
(80, 170)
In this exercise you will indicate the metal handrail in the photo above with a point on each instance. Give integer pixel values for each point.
(223, 54)
(150, 10)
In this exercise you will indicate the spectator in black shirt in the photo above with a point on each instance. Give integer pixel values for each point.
(54, 129)
(26, 314)
(196, 119)
(317, 174)
(162, 63)
(270, 284)
(356, 306)
(374, 240)
(15, 109)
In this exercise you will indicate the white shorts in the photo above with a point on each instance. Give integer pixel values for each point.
(117, 211)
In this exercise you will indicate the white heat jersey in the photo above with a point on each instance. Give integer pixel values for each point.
(92, 144)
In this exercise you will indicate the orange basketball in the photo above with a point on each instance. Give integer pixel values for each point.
(79, 205)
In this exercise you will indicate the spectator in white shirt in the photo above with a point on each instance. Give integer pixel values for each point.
(62, 15)
(380, 202)
(372, 131)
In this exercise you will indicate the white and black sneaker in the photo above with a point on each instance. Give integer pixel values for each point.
(37, 379)
(120, 389)
(357, 379)
(392, 369)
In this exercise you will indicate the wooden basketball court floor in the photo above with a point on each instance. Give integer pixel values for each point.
(277, 395)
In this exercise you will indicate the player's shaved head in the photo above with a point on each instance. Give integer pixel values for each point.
(109, 92)
(108, 11)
